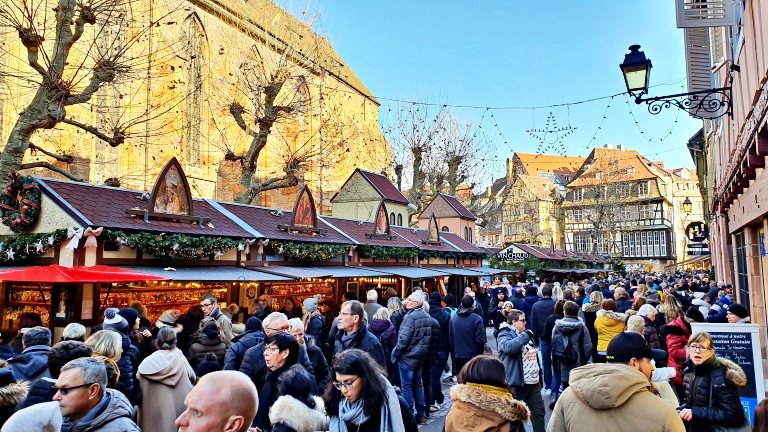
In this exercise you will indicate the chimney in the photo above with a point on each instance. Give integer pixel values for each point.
(608, 145)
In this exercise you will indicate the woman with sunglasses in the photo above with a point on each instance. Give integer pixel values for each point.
(711, 388)
(361, 399)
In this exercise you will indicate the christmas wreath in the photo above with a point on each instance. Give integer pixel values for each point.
(20, 202)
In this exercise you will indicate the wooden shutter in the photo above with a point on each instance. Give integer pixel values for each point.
(705, 13)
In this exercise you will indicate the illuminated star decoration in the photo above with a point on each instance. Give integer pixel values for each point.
(551, 137)
(39, 247)
(10, 253)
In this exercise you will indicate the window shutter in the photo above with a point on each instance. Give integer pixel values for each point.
(705, 13)
(718, 50)
(697, 53)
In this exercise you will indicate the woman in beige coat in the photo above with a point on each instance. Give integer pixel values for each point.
(166, 378)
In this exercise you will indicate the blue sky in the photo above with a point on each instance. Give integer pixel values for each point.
(519, 54)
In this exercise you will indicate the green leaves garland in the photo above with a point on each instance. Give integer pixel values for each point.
(175, 246)
(20, 202)
(309, 251)
(387, 253)
(423, 254)
(20, 248)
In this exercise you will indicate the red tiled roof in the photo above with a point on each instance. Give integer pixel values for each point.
(104, 206)
(544, 252)
(266, 221)
(358, 230)
(386, 189)
(417, 237)
(461, 243)
(458, 206)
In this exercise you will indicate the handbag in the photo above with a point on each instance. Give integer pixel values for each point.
(745, 427)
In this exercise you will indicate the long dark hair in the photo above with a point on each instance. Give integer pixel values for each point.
(361, 364)
(761, 416)
(297, 383)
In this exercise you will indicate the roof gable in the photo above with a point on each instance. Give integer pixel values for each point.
(534, 163)
(608, 165)
(381, 185)
(453, 206)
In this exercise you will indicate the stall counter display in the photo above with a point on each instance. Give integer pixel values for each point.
(23, 298)
(161, 296)
(298, 290)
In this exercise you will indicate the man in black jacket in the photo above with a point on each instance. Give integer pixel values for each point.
(539, 313)
(443, 317)
(353, 333)
(411, 349)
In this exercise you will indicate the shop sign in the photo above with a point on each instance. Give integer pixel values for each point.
(696, 249)
(512, 254)
(697, 232)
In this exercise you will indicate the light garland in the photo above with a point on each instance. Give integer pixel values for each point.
(175, 246)
(309, 251)
(20, 248)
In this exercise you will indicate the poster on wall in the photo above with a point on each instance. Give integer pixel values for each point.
(740, 343)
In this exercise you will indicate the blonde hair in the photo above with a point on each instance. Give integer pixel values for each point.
(73, 331)
(596, 297)
(701, 337)
(636, 324)
(108, 343)
(381, 314)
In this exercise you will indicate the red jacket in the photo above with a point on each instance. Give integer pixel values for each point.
(677, 334)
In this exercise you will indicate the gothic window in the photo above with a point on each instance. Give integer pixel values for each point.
(392, 218)
(195, 42)
(399, 220)
(444, 229)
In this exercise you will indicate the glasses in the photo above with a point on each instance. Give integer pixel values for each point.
(698, 348)
(65, 390)
(346, 385)
(282, 329)
(271, 349)
(521, 319)
(206, 305)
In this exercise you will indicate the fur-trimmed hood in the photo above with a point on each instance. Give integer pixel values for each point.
(295, 414)
(13, 393)
(733, 372)
(507, 407)
(590, 307)
(616, 316)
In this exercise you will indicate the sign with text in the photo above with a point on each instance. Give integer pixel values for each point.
(512, 253)
(740, 343)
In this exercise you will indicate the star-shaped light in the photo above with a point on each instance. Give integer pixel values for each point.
(10, 253)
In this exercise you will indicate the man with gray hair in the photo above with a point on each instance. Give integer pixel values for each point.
(353, 333)
(411, 350)
(85, 401)
(371, 304)
(32, 363)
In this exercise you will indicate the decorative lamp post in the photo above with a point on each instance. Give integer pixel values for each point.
(711, 104)
(687, 206)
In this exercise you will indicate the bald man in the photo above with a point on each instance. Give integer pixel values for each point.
(223, 401)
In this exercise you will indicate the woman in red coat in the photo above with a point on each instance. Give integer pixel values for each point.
(677, 334)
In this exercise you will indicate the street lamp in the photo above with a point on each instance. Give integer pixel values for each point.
(687, 206)
(711, 104)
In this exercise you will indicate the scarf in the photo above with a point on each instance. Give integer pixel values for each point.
(391, 416)
(348, 339)
(69, 424)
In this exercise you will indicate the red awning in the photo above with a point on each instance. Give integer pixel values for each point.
(77, 274)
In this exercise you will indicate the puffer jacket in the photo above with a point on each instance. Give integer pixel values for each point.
(443, 318)
(315, 327)
(724, 377)
(203, 344)
(677, 334)
(510, 345)
(485, 408)
(612, 397)
(466, 334)
(413, 338)
(651, 334)
(11, 395)
(385, 331)
(607, 325)
(240, 345)
(589, 310)
(578, 335)
(117, 417)
(434, 341)
(288, 414)
(127, 383)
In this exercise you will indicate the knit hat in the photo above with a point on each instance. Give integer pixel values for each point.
(130, 315)
(310, 304)
(738, 310)
(253, 324)
(43, 417)
(694, 314)
(626, 346)
(113, 320)
(170, 316)
(436, 296)
(645, 310)
(6, 377)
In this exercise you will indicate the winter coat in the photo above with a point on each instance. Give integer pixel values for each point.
(589, 311)
(510, 345)
(240, 344)
(434, 342)
(607, 325)
(396, 319)
(443, 318)
(723, 377)
(549, 324)
(115, 418)
(718, 313)
(370, 308)
(623, 304)
(528, 302)
(253, 362)
(11, 395)
(267, 389)
(612, 397)
(320, 368)
(413, 338)
(315, 327)
(651, 334)
(494, 311)
(39, 392)
(288, 414)
(225, 325)
(42, 417)
(31, 364)
(485, 408)
(539, 313)
(364, 340)
(578, 335)
(385, 332)
(166, 378)
(127, 384)
(203, 344)
(677, 333)
(467, 334)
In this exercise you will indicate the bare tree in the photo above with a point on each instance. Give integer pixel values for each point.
(72, 52)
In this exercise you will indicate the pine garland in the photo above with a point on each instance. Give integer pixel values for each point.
(20, 248)
(175, 246)
(309, 251)
(20, 202)
(387, 253)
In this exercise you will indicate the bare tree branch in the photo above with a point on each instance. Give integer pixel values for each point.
(60, 158)
(117, 138)
(50, 166)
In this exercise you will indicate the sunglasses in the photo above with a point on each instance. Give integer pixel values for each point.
(65, 390)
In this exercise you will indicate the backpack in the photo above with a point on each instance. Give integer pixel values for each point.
(562, 349)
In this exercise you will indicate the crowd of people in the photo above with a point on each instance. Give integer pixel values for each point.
(608, 354)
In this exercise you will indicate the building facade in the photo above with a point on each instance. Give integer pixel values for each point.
(452, 216)
(531, 211)
(359, 198)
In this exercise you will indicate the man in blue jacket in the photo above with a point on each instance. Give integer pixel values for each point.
(467, 335)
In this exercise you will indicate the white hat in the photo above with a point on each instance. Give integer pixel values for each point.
(645, 310)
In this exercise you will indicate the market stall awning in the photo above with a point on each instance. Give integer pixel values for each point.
(410, 272)
(296, 272)
(494, 271)
(355, 271)
(460, 271)
(207, 274)
(577, 271)
(78, 274)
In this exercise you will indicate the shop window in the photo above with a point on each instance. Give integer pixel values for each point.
(741, 269)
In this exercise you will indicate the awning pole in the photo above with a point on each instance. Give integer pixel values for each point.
(106, 298)
(40, 287)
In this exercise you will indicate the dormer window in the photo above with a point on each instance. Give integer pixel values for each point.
(631, 170)
(578, 194)
(643, 188)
